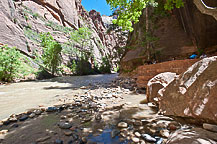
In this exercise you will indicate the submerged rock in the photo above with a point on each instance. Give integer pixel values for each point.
(68, 132)
(3, 131)
(148, 138)
(114, 133)
(43, 139)
(51, 109)
(58, 141)
(210, 127)
(137, 134)
(23, 118)
(135, 139)
(165, 133)
(122, 125)
(64, 125)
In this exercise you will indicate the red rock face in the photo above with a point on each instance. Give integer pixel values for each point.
(188, 29)
(68, 13)
(144, 73)
(193, 93)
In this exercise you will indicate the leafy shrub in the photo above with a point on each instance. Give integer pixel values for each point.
(105, 65)
(9, 63)
(82, 66)
(51, 57)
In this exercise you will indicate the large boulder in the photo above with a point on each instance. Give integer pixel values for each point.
(194, 93)
(157, 84)
(193, 136)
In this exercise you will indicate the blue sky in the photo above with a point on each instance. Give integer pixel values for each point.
(99, 5)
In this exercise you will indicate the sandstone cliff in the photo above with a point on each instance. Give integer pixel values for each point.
(180, 33)
(23, 20)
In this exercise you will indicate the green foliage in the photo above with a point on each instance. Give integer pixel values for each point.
(9, 63)
(129, 11)
(79, 48)
(51, 57)
(74, 67)
(58, 27)
(105, 65)
(170, 4)
(35, 15)
(32, 35)
(26, 17)
(26, 67)
(82, 67)
(81, 39)
(28, 11)
(117, 69)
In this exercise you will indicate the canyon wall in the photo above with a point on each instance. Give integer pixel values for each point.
(179, 34)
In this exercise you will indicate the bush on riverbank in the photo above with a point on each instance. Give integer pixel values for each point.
(9, 63)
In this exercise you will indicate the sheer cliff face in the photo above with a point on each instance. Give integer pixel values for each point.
(184, 32)
(50, 16)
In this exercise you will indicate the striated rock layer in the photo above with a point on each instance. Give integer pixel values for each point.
(22, 20)
(146, 72)
(193, 93)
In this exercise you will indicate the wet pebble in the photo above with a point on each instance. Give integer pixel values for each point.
(83, 87)
(58, 141)
(165, 133)
(137, 134)
(148, 138)
(159, 140)
(135, 139)
(173, 126)
(63, 117)
(68, 132)
(137, 123)
(15, 125)
(51, 109)
(98, 117)
(210, 127)
(64, 125)
(3, 131)
(13, 119)
(122, 125)
(43, 139)
(37, 112)
(87, 130)
(23, 118)
(114, 133)
(5, 122)
(83, 140)
(32, 115)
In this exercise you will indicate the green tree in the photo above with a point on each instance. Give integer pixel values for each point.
(9, 63)
(129, 11)
(51, 56)
(80, 50)
(80, 42)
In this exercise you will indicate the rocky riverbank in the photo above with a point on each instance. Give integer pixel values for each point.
(101, 113)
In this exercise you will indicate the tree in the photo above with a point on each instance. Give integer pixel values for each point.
(80, 42)
(51, 57)
(129, 11)
(9, 63)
